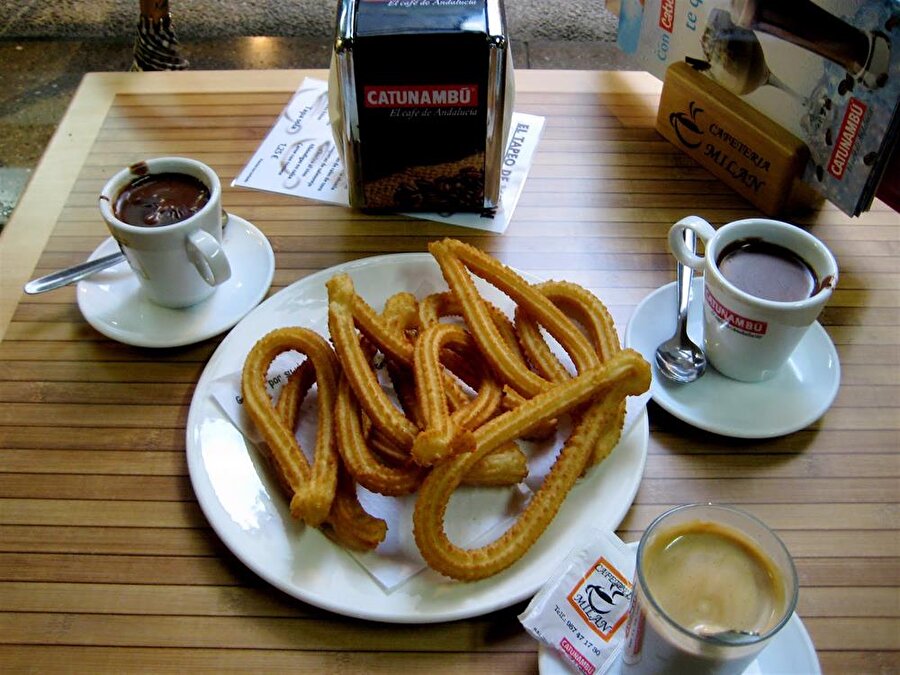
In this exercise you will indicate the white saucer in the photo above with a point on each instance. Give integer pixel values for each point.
(112, 300)
(790, 651)
(796, 397)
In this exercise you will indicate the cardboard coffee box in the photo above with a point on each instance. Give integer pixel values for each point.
(757, 158)
(827, 71)
(420, 95)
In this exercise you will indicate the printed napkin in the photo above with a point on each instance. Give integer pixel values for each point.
(298, 157)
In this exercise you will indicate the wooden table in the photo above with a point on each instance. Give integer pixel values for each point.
(107, 563)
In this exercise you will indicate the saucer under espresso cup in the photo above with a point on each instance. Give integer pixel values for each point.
(796, 396)
(115, 304)
(166, 215)
(765, 284)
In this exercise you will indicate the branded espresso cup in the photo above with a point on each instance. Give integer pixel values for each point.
(166, 215)
(765, 282)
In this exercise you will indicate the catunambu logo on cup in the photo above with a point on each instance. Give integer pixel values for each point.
(750, 327)
(601, 598)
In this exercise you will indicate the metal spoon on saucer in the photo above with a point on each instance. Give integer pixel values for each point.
(679, 358)
(70, 275)
(732, 636)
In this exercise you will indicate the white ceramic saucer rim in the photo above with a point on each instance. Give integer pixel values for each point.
(243, 270)
(816, 338)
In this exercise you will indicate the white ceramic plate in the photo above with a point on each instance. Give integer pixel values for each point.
(791, 652)
(796, 397)
(113, 303)
(248, 512)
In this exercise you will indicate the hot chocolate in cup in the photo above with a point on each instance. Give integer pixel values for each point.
(166, 215)
(765, 282)
(712, 586)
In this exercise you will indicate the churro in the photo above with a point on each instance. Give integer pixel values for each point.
(363, 464)
(442, 434)
(456, 261)
(312, 488)
(372, 398)
(469, 382)
(591, 314)
(624, 374)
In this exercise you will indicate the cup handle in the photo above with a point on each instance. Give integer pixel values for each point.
(677, 246)
(208, 257)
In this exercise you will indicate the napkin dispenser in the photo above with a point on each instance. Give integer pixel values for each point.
(420, 97)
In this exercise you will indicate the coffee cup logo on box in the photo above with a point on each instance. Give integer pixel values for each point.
(765, 282)
(421, 97)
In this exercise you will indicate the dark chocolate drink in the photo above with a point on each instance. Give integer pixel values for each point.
(767, 270)
(159, 199)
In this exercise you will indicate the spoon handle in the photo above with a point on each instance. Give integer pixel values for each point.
(72, 274)
(683, 277)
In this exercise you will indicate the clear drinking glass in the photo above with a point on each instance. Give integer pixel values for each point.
(703, 570)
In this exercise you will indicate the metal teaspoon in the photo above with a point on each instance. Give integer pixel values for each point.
(733, 636)
(679, 358)
(70, 275)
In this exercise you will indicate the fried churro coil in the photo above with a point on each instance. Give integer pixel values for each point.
(603, 387)
(438, 305)
(363, 464)
(348, 523)
(442, 434)
(393, 344)
(347, 312)
(456, 260)
(487, 400)
(580, 305)
(506, 466)
(588, 311)
(384, 331)
(372, 398)
(401, 314)
(364, 457)
(312, 488)
(287, 407)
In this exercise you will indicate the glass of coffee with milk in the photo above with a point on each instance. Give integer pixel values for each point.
(712, 586)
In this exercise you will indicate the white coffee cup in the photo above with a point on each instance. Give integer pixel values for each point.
(177, 264)
(747, 337)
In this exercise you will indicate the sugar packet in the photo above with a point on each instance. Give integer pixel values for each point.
(582, 610)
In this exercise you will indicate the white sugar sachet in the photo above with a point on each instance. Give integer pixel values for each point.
(581, 611)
